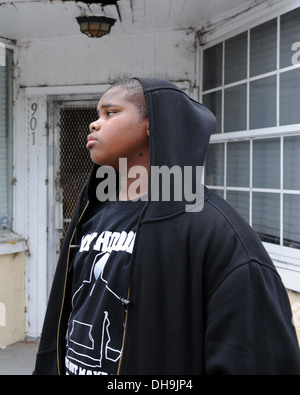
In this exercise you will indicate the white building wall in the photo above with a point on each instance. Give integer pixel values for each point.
(74, 66)
(82, 61)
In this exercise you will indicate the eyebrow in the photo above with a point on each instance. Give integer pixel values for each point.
(105, 106)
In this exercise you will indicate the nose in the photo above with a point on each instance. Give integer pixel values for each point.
(94, 126)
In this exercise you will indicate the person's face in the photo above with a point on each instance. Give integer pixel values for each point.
(119, 132)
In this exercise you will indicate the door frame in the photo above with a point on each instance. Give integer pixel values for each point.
(32, 191)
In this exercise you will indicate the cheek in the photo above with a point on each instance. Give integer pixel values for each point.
(124, 135)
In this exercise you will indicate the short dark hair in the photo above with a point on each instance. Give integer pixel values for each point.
(135, 94)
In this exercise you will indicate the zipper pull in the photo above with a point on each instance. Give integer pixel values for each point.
(125, 302)
(74, 247)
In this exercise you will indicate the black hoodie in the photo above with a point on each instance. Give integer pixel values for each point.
(205, 298)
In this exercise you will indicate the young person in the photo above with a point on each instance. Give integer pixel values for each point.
(149, 286)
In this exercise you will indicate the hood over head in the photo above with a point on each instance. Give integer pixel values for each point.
(180, 127)
(179, 133)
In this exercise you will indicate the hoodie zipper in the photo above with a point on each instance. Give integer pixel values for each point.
(65, 285)
(129, 288)
(128, 292)
(124, 332)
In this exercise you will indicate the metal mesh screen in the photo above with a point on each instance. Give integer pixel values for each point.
(75, 162)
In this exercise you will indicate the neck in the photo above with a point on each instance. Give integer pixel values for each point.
(134, 180)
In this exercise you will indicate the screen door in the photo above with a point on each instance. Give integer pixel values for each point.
(71, 166)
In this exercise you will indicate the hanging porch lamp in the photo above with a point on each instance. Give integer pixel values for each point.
(95, 26)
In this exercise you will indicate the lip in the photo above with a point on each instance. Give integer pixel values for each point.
(91, 141)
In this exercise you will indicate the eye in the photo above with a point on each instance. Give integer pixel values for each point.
(110, 113)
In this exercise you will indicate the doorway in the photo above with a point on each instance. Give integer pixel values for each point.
(69, 166)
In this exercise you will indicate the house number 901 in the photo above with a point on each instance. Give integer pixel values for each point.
(33, 121)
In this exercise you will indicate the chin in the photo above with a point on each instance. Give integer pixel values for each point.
(101, 162)
(96, 160)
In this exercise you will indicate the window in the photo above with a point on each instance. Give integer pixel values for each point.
(253, 161)
(5, 138)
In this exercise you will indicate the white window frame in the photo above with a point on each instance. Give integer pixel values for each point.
(286, 259)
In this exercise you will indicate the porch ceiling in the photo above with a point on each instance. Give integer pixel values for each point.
(42, 19)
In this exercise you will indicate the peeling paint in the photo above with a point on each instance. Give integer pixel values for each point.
(8, 41)
(209, 27)
(118, 11)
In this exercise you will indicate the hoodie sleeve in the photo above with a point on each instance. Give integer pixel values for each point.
(249, 325)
